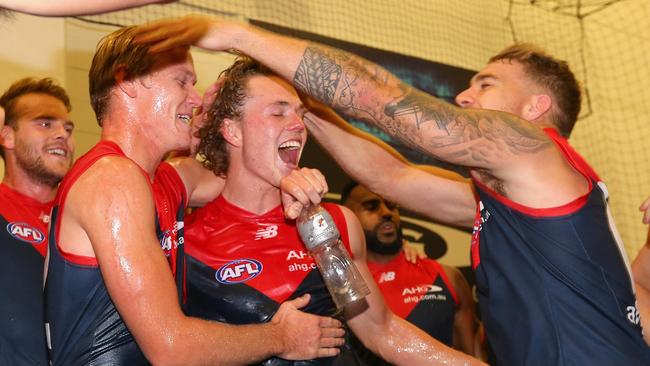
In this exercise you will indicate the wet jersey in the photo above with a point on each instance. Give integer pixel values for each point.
(83, 324)
(421, 293)
(242, 266)
(23, 243)
(554, 285)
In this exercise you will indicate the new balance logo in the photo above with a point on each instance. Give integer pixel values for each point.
(387, 277)
(266, 232)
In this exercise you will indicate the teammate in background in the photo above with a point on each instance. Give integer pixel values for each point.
(434, 297)
(553, 279)
(37, 149)
(103, 234)
(72, 7)
(641, 270)
(255, 137)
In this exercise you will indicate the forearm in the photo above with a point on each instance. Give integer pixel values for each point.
(72, 7)
(404, 344)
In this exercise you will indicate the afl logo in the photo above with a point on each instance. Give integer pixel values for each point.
(237, 271)
(25, 232)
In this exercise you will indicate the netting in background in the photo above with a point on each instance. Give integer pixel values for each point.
(607, 43)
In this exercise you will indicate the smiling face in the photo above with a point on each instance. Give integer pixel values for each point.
(40, 140)
(167, 99)
(271, 127)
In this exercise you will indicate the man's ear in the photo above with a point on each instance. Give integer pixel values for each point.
(7, 137)
(539, 105)
(126, 85)
(231, 131)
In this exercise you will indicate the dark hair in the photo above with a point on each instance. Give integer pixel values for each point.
(347, 189)
(552, 74)
(29, 86)
(116, 50)
(227, 104)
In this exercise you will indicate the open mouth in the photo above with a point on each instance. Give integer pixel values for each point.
(289, 152)
(58, 152)
(185, 118)
(387, 228)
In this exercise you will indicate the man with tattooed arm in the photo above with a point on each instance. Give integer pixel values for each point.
(553, 280)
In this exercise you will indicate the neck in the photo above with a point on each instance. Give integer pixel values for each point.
(252, 195)
(380, 258)
(16, 179)
(135, 144)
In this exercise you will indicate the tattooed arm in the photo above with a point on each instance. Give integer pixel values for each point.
(514, 155)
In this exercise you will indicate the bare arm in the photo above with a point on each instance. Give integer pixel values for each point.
(439, 194)
(118, 225)
(389, 336)
(514, 153)
(641, 272)
(73, 7)
(465, 322)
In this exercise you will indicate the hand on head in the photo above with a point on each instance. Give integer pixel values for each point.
(204, 32)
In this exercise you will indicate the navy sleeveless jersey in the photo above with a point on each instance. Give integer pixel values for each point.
(242, 266)
(554, 285)
(421, 293)
(83, 324)
(23, 243)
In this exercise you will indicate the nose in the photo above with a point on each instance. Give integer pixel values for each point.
(465, 99)
(194, 98)
(60, 132)
(296, 123)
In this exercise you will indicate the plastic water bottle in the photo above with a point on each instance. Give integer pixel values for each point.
(322, 239)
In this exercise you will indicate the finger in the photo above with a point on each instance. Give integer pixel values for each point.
(329, 322)
(294, 186)
(332, 333)
(645, 205)
(328, 352)
(299, 302)
(331, 342)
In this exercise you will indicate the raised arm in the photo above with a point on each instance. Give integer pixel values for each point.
(387, 335)
(118, 225)
(73, 7)
(439, 194)
(360, 89)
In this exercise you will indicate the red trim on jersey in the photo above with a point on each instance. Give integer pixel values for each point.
(445, 279)
(576, 161)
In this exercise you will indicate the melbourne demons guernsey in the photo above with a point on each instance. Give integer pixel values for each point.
(83, 324)
(421, 293)
(242, 266)
(23, 243)
(554, 284)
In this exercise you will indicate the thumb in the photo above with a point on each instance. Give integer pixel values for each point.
(300, 302)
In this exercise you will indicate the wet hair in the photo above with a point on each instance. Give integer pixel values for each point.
(29, 86)
(553, 75)
(116, 51)
(228, 104)
(347, 190)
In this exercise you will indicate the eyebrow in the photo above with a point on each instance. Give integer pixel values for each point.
(480, 77)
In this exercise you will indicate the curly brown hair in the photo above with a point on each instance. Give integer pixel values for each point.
(227, 105)
(552, 74)
(29, 86)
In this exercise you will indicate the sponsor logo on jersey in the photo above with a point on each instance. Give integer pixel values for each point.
(267, 231)
(423, 293)
(300, 260)
(25, 232)
(170, 238)
(237, 271)
(387, 277)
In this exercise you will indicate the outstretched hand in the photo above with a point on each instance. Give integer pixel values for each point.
(413, 252)
(302, 188)
(307, 336)
(208, 33)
